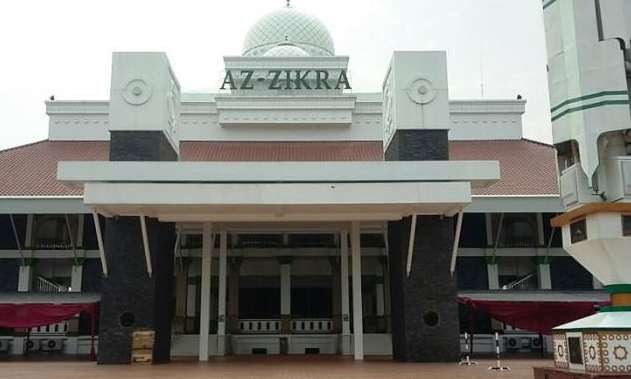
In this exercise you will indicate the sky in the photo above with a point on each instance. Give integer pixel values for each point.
(495, 48)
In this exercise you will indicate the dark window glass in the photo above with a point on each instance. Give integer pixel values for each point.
(578, 231)
(312, 240)
(260, 240)
(576, 352)
(626, 226)
(372, 240)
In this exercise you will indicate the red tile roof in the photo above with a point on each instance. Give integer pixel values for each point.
(31, 170)
(282, 151)
(528, 168)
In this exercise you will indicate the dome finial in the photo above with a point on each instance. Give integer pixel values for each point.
(288, 3)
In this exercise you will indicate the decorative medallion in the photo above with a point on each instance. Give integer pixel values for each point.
(421, 91)
(137, 92)
(620, 353)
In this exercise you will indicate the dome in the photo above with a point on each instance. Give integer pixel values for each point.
(286, 50)
(288, 26)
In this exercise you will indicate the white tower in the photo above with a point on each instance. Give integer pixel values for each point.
(588, 45)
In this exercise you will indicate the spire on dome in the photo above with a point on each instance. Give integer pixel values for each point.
(288, 3)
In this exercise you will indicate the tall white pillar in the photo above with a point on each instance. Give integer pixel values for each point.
(204, 318)
(221, 316)
(346, 328)
(540, 237)
(543, 276)
(80, 232)
(76, 277)
(488, 220)
(494, 276)
(285, 294)
(358, 319)
(28, 238)
(25, 279)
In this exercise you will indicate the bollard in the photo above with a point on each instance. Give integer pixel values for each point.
(498, 365)
(467, 359)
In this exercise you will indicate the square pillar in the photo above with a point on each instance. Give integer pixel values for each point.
(25, 279)
(425, 316)
(204, 318)
(76, 278)
(493, 273)
(221, 316)
(543, 276)
(358, 315)
(130, 298)
(346, 327)
(285, 294)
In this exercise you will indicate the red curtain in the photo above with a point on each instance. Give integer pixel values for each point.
(539, 317)
(34, 315)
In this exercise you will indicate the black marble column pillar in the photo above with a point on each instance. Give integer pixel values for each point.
(423, 304)
(130, 298)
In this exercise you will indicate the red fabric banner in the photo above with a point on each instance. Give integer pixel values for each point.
(34, 315)
(535, 316)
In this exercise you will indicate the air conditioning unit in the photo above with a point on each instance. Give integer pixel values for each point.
(526, 343)
(56, 344)
(536, 343)
(511, 344)
(31, 345)
(4, 345)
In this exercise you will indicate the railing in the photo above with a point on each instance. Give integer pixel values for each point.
(298, 326)
(259, 326)
(45, 285)
(525, 283)
(52, 244)
(312, 326)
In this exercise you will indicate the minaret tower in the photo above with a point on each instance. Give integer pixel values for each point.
(589, 72)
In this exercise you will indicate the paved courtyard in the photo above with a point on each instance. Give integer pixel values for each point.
(266, 367)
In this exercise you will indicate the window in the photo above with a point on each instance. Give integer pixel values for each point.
(576, 352)
(626, 226)
(578, 231)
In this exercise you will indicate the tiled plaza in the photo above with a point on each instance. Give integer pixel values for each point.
(267, 367)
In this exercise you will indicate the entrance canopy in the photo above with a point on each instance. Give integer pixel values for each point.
(278, 191)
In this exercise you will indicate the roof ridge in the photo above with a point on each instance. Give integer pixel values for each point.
(25, 145)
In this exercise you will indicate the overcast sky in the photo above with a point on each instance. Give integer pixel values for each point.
(64, 47)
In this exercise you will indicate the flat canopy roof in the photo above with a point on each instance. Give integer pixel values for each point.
(278, 191)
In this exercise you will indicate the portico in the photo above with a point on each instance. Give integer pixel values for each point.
(220, 199)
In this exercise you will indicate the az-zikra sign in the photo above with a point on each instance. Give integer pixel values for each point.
(286, 79)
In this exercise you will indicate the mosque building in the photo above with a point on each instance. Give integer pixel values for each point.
(283, 214)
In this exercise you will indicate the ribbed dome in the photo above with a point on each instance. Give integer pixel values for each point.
(286, 50)
(288, 26)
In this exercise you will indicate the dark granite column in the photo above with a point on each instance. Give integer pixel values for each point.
(423, 305)
(130, 298)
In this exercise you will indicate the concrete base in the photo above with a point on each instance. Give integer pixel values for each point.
(557, 373)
